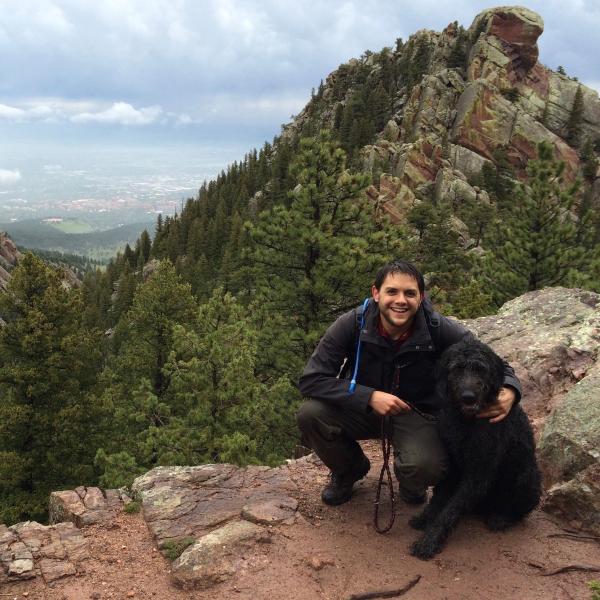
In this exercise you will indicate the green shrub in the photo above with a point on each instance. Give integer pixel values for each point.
(132, 507)
(594, 586)
(173, 549)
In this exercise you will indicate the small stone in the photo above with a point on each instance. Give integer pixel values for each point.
(130, 594)
(25, 594)
(95, 596)
(317, 563)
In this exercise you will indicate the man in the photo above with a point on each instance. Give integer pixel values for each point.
(400, 342)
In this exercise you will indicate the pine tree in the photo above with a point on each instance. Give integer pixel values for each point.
(458, 54)
(135, 383)
(48, 366)
(575, 121)
(316, 258)
(537, 244)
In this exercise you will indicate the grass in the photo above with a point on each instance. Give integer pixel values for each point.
(132, 507)
(73, 226)
(173, 549)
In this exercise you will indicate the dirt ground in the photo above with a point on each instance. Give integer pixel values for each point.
(334, 553)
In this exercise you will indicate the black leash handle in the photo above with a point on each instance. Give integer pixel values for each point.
(386, 448)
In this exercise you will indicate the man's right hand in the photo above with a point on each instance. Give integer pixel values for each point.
(385, 404)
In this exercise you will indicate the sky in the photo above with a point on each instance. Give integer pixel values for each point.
(214, 71)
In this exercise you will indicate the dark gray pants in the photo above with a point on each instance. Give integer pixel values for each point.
(331, 431)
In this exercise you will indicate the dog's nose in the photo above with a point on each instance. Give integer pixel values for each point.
(468, 397)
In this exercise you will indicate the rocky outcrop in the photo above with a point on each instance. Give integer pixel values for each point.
(30, 549)
(216, 556)
(552, 339)
(221, 508)
(85, 506)
(9, 255)
(569, 452)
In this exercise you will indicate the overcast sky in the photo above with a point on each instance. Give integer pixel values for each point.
(218, 69)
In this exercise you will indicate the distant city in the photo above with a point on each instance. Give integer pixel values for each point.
(104, 186)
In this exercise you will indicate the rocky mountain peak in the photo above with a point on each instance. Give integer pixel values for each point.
(516, 27)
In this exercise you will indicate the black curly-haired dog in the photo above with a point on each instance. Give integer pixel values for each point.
(492, 467)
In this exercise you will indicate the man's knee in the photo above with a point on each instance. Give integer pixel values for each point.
(420, 470)
(311, 413)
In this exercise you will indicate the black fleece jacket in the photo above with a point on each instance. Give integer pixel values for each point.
(407, 372)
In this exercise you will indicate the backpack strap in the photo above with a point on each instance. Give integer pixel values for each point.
(361, 315)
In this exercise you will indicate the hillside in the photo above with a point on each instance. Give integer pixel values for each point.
(99, 245)
(444, 125)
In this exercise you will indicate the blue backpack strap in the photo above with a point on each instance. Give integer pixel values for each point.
(363, 314)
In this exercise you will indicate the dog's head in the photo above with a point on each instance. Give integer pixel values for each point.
(470, 375)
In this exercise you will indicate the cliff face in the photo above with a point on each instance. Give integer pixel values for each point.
(454, 119)
(8, 258)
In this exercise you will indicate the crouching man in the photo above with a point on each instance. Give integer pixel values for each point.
(357, 375)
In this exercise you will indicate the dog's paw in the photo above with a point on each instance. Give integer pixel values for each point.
(418, 522)
(424, 549)
(498, 522)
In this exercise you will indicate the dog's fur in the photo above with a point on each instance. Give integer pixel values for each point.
(492, 467)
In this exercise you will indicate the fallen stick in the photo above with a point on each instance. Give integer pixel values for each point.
(574, 536)
(572, 567)
(386, 593)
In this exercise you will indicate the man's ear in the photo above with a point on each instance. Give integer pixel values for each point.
(375, 293)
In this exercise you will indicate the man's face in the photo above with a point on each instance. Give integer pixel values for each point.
(399, 299)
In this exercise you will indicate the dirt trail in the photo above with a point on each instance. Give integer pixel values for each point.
(333, 553)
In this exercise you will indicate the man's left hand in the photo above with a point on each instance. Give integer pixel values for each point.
(498, 411)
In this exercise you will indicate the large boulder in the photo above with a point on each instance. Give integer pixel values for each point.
(569, 452)
(551, 337)
(85, 505)
(220, 508)
(184, 502)
(506, 40)
(216, 556)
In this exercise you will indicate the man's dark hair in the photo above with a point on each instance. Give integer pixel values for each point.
(400, 266)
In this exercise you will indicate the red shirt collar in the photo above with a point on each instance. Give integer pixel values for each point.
(398, 342)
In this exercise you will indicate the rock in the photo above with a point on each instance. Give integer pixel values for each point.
(271, 510)
(28, 549)
(554, 327)
(514, 30)
(317, 563)
(183, 502)
(577, 500)
(9, 255)
(570, 441)
(84, 506)
(468, 162)
(487, 122)
(391, 131)
(216, 556)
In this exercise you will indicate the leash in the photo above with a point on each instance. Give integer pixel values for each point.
(386, 450)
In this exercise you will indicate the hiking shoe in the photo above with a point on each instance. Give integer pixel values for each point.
(339, 488)
(412, 497)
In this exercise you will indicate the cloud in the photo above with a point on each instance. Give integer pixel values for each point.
(121, 113)
(12, 113)
(9, 177)
(225, 63)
